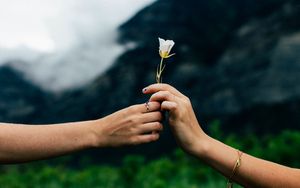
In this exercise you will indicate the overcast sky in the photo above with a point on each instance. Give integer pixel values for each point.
(64, 43)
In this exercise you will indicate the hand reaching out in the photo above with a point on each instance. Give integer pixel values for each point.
(131, 126)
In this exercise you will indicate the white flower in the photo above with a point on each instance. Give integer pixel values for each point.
(165, 47)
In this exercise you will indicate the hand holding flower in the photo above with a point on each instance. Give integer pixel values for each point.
(182, 118)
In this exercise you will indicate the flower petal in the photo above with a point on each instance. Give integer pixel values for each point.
(161, 42)
(165, 47)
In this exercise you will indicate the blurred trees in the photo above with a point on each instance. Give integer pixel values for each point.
(177, 171)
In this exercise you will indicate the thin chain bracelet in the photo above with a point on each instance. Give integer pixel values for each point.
(235, 168)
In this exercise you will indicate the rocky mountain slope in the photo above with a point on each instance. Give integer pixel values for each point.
(232, 58)
(20, 100)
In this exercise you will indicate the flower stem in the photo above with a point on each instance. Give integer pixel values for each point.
(159, 71)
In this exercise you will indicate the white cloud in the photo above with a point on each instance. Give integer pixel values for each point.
(64, 43)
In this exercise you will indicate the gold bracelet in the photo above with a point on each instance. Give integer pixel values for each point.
(235, 168)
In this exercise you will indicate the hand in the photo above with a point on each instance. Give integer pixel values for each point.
(131, 126)
(182, 118)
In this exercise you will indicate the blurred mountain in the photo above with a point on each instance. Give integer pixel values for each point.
(232, 59)
(239, 62)
(20, 100)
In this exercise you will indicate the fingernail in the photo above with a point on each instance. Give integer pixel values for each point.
(145, 89)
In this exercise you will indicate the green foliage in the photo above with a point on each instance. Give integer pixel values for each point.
(175, 171)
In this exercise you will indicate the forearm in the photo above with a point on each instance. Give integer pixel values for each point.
(129, 126)
(21, 143)
(253, 172)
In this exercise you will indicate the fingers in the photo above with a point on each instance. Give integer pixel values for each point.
(146, 107)
(169, 106)
(169, 101)
(146, 138)
(151, 107)
(151, 117)
(150, 127)
(163, 96)
(162, 87)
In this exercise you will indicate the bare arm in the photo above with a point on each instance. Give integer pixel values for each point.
(253, 172)
(22, 143)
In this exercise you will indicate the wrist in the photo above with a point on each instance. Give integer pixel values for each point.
(96, 137)
(203, 146)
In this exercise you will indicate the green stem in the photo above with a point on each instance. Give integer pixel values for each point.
(160, 71)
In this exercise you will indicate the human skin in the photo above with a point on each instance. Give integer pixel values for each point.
(253, 172)
(130, 126)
